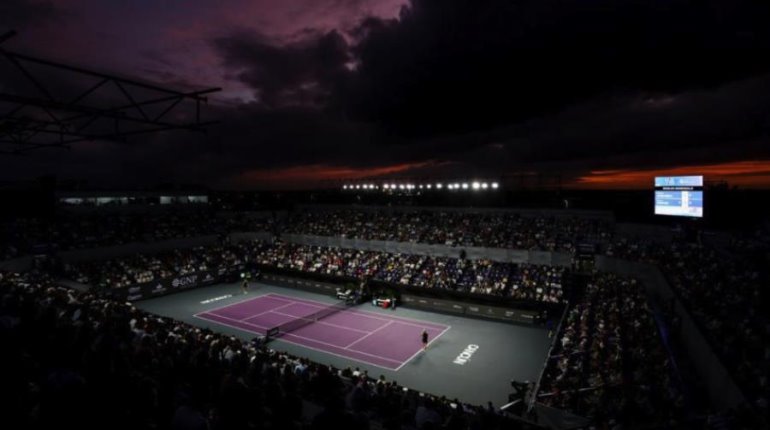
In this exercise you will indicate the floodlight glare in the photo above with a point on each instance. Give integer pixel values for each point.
(476, 185)
(344, 187)
(400, 186)
(465, 185)
(494, 185)
(439, 186)
(428, 186)
(484, 185)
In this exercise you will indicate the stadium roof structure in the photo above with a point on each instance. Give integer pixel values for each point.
(45, 104)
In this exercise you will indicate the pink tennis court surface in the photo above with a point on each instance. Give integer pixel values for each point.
(374, 338)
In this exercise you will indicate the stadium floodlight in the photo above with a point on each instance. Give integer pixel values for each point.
(465, 185)
(344, 187)
(393, 186)
(495, 185)
(385, 186)
(400, 186)
(476, 185)
(439, 185)
(484, 185)
(429, 185)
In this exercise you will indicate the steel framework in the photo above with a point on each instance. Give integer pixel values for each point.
(106, 108)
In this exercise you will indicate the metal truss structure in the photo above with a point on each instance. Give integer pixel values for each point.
(99, 107)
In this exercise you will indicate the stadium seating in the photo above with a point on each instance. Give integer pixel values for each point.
(82, 361)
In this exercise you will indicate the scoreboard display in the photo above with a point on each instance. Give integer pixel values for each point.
(679, 196)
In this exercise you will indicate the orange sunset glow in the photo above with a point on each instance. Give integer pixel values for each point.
(301, 176)
(744, 174)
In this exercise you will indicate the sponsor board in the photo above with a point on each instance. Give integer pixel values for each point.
(216, 299)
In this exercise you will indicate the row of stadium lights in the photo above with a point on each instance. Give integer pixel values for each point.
(438, 186)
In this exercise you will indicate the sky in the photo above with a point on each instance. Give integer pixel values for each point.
(602, 94)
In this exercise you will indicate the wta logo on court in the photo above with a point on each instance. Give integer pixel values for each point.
(465, 356)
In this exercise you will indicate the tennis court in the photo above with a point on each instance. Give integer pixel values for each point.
(375, 338)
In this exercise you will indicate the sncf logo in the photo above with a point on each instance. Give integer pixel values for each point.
(465, 356)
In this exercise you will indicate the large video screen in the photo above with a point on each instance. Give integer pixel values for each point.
(679, 196)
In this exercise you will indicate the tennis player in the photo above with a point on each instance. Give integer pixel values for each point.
(424, 339)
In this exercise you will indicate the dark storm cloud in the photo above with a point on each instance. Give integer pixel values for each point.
(17, 13)
(462, 87)
(302, 73)
(467, 74)
(450, 66)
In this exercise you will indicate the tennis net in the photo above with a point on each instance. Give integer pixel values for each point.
(300, 322)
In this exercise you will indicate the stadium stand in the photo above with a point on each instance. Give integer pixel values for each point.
(78, 360)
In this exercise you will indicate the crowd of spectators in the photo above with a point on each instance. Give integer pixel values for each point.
(78, 360)
(488, 229)
(608, 362)
(519, 281)
(139, 268)
(83, 231)
(728, 297)
(724, 290)
(493, 229)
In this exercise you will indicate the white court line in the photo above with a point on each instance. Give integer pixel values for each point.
(306, 338)
(339, 355)
(283, 339)
(375, 315)
(231, 319)
(290, 301)
(303, 337)
(236, 303)
(420, 350)
(375, 331)
(226, 325)
(323, 322)
(261, 313)
(336, 346)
